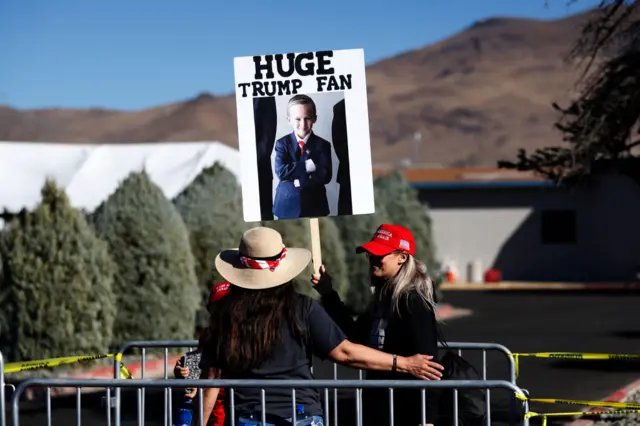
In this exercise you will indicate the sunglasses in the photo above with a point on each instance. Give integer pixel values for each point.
(374, 258)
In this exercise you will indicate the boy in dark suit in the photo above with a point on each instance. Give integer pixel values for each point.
(303, 165)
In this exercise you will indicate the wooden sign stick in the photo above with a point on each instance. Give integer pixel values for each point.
(316, 252)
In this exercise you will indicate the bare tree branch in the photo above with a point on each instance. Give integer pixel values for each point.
(600, 124)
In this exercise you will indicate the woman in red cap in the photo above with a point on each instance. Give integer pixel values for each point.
(401, 320)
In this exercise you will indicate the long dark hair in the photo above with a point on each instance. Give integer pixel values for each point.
(246, 326)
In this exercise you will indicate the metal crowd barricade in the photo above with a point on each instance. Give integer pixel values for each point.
(143, 345)
(262, 384)
(458, 346)
(484, 347)
(2, 384)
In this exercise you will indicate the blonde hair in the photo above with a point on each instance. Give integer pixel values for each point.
(301, 100)
(412, 276)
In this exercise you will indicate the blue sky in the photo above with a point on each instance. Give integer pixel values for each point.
(140, 53)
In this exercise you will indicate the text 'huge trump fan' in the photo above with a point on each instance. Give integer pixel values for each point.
(286, 65)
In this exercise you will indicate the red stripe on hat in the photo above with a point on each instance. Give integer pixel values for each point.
(252, 263)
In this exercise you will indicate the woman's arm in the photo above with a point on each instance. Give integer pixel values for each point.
(360, 356)
(329, 341)
(209, 396)
(323, 284)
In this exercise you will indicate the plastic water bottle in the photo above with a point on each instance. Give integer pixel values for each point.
(251, 420)
(185, 414)
(303, 419)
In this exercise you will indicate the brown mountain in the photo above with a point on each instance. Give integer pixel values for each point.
(475, 98)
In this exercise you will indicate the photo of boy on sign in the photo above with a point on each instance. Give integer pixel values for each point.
(303, 164)
(308, 113)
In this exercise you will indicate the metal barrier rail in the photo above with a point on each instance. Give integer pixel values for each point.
(2, 410)
(231, 384)
(459, 346)
(484, 347)
(144, 345)
(165, 344)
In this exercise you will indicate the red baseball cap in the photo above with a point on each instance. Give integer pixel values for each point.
(218, 291)
(389, 238)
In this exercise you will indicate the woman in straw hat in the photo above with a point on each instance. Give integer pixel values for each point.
(400, 320)
(264, 329)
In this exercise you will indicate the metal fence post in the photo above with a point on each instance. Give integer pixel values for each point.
(512, 369)
(486, 346)
(2, 384)
(148, 344)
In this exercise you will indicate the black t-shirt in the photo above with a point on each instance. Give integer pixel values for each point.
(291, 361)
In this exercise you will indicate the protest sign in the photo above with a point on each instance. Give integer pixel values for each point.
(303, 130)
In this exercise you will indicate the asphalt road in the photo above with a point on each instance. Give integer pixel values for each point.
(524, 322)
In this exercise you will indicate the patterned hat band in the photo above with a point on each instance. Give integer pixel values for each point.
(270, 263)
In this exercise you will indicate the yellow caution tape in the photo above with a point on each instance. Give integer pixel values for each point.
(608, 404)
(573, 355)
(124, 372)
(603, 404)
(580, 413)
(16, 367)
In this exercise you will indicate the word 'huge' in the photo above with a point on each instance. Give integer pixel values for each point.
(302, 64)
(283, 66)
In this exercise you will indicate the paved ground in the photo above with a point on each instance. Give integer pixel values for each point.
(524, 322)
(557, 321)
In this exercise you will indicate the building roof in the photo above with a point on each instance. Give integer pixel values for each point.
(454, 178)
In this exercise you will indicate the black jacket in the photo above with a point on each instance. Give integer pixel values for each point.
(409, 330)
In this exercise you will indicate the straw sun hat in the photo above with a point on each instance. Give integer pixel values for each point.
(262, 261)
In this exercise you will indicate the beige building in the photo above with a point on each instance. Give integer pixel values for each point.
(531, 229)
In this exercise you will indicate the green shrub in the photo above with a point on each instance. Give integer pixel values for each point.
(56, 293)
(211, 207)
(296, 233)
(155, 282)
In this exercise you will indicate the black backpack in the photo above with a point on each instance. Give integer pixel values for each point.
(471, 402)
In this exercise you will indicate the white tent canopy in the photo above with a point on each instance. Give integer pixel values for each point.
(90, 173)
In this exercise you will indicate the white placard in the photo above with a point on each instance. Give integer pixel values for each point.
(297, 163)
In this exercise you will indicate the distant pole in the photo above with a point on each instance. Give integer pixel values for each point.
(417, 137)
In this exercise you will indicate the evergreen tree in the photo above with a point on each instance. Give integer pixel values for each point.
(296, 233)
(155, 283)
(7, 313)
(334, 255)
(356, 230)
(404, 208)
(211, 207)
(56, 293)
